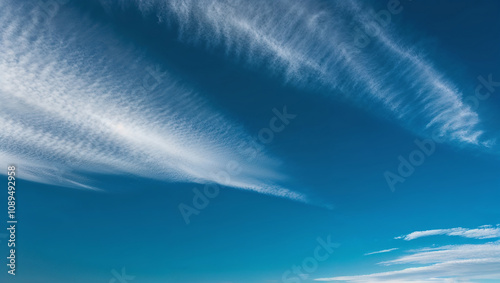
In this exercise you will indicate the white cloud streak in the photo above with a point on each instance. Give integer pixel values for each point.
(483, 232)
(312, 44)
(444, 264)
(461, 263)
(382, 251)
(71, 106)
(452, 271)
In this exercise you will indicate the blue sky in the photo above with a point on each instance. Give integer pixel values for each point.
(252, 141)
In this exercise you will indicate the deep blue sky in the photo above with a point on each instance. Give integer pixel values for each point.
(106, 152)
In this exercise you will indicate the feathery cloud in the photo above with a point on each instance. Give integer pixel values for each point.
(312, 44)
(73, 106)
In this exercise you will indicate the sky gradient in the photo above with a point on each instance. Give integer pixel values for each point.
(252, 141)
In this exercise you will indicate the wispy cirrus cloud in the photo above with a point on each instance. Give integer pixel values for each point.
(443, 264)
(449, 253)
(483, 232)
(446, 272)
(312, 44)
(382, 251)
(73, 106)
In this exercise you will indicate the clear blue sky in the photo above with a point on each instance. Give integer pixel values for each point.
(252, 141)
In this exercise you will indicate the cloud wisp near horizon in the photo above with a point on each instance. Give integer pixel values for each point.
(483, 232)
(111, 112)
(311, 45)
(447, 263)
